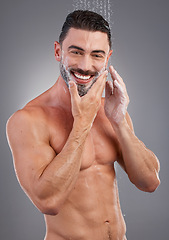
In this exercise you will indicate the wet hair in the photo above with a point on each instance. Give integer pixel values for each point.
(85, 20)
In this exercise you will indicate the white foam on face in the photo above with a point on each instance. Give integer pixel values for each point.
(104, 66)
(65, 65)
(69, 77)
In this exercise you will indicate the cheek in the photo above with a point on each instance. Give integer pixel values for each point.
(65, 60)
(101, 66)
(69, 62)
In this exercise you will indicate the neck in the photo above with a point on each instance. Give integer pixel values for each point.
(61, 93)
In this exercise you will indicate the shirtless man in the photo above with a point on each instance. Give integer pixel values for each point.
(65, 142)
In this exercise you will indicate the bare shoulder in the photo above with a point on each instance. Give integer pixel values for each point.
(29, 121)
(36, 123)
(25, 116)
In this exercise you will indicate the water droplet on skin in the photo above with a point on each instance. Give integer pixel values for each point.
(86, 183)
(64, 90)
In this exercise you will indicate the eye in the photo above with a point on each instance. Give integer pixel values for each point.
(97, 56)
(76, 52)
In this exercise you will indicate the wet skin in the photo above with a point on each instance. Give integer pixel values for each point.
(92, 210)
(64, 146)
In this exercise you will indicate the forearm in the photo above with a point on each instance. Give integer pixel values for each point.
(140, 163)
(59, 177)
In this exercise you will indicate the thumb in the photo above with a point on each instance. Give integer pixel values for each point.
(73, 90)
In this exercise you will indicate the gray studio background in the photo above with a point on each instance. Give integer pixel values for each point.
(141, 55)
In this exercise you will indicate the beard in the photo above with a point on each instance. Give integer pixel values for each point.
(82, 88)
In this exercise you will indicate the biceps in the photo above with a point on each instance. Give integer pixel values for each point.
(30, 162)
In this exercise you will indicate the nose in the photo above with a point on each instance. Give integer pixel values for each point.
(85, 63)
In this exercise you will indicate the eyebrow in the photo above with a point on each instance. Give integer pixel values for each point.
(81, 49)
(76, 47)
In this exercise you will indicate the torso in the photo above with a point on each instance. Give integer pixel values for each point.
(92, 210)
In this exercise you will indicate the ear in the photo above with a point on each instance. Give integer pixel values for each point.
(109, 55)
(58, 51)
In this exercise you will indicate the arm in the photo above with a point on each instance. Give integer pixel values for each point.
(47, 177)
(141, 165)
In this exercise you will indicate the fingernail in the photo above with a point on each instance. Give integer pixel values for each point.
(106, 73)
(70, 84)
(113, 70)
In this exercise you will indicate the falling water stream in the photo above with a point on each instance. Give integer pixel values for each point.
(103, 7)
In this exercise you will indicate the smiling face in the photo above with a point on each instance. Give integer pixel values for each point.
(83, 57)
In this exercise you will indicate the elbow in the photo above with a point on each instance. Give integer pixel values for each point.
(47, 207)
(154, 182)
(49, 210)
(153, 186)
(150, 185)
(46, 203)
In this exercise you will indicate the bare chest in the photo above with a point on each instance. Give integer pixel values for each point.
(101, 145)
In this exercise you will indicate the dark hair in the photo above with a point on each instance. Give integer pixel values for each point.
(86, 20)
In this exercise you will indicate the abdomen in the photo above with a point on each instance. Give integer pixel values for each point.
(92, 210)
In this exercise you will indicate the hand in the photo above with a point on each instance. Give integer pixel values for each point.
(116, 98)
(85, 108)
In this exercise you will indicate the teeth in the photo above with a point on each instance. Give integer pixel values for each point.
(82, 77)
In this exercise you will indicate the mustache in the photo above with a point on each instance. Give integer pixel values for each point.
(80, 71)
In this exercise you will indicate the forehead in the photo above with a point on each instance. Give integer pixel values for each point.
(88, 40)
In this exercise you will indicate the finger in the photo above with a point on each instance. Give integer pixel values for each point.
(73, 91)
(118, 86)
(99, 85)
(115, 75)
(122, 93)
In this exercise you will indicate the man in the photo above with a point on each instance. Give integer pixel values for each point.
(65, 142)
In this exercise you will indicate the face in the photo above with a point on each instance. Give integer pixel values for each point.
(83, 57)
